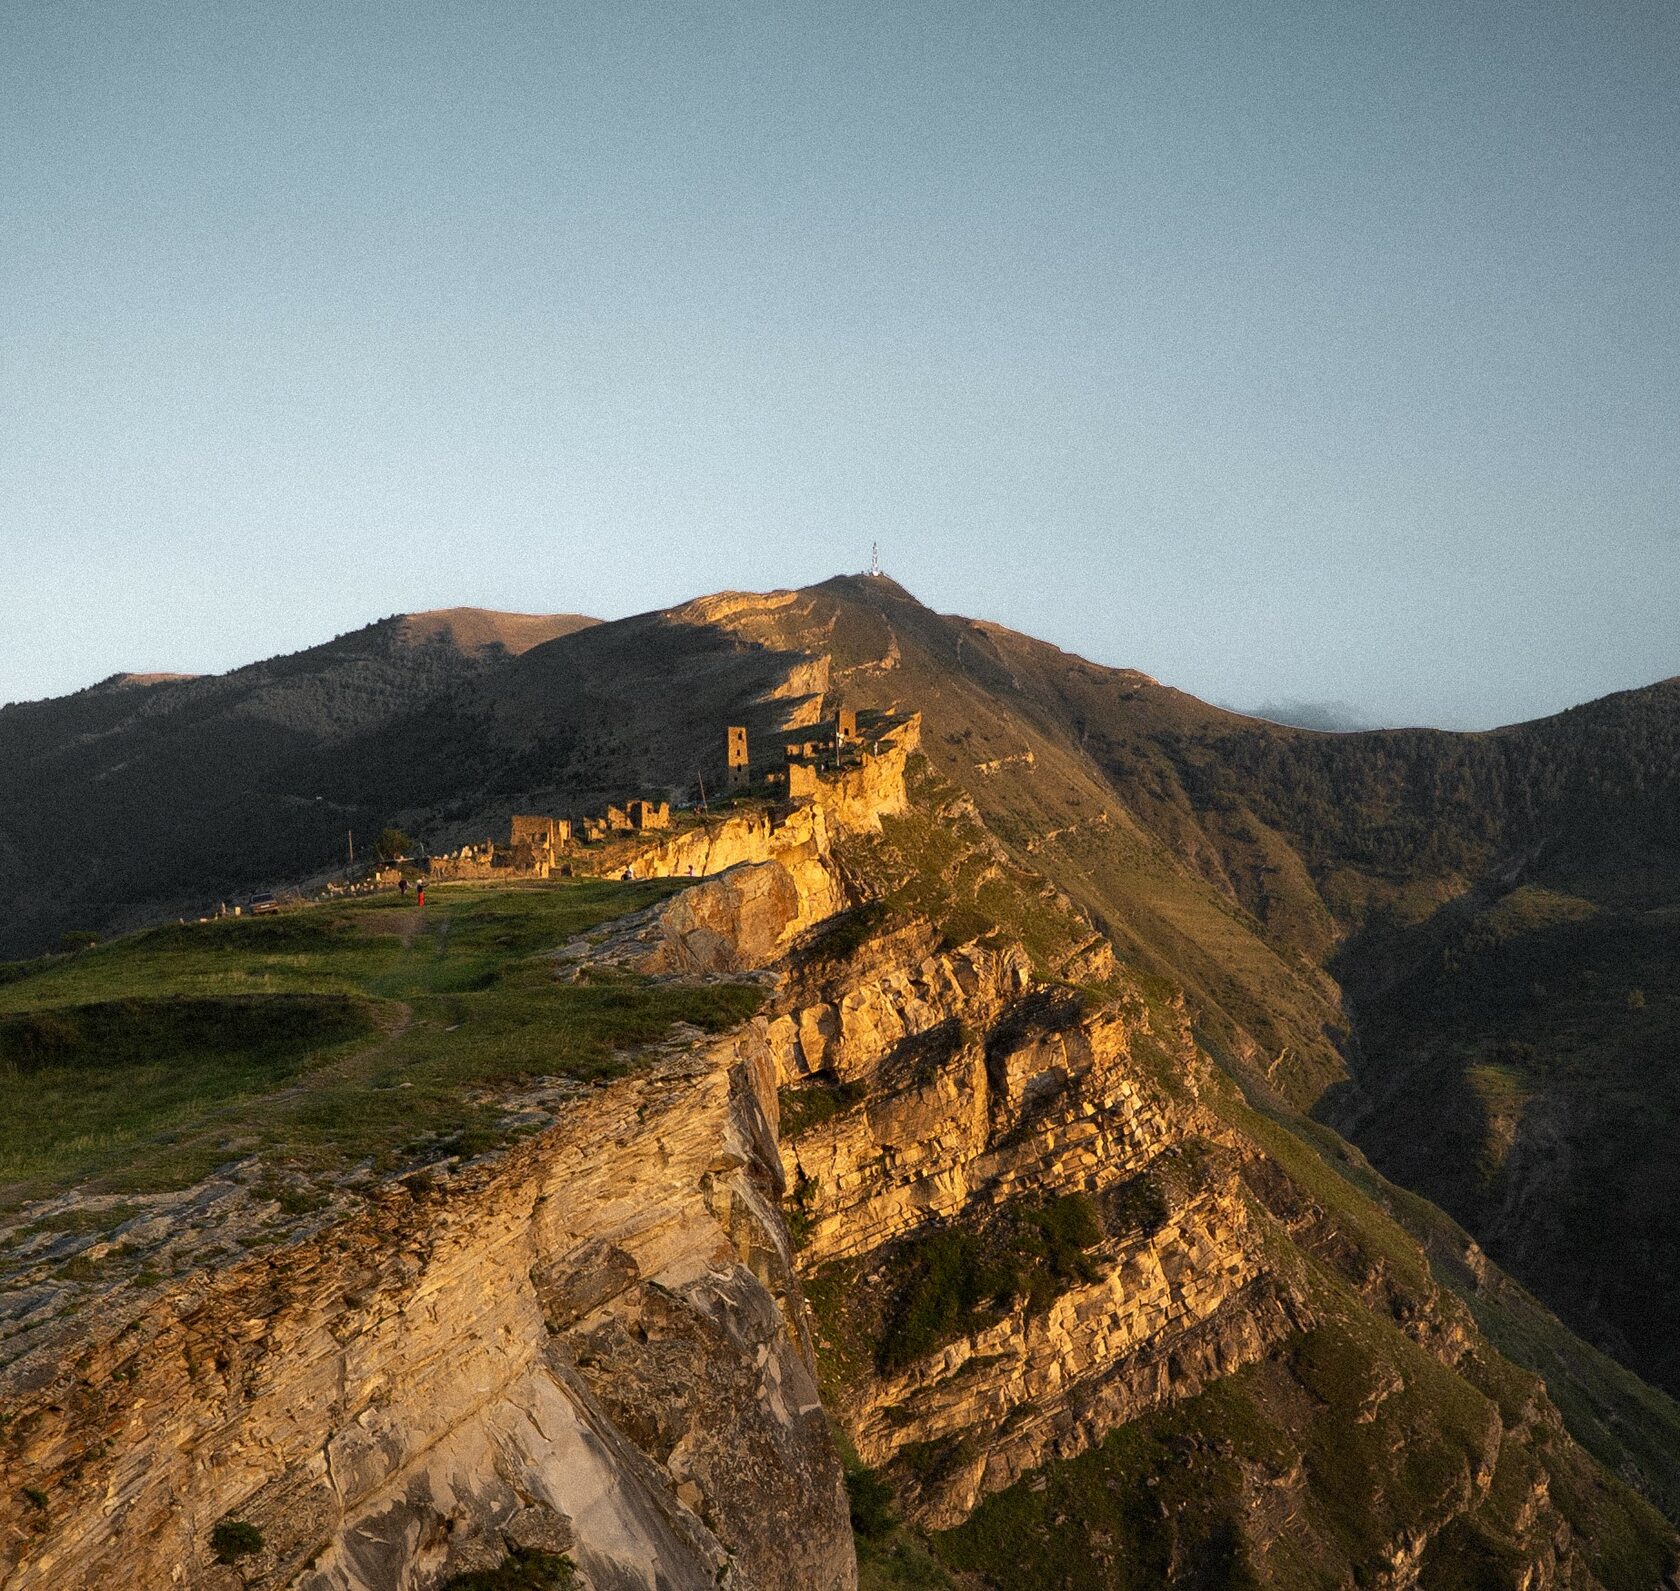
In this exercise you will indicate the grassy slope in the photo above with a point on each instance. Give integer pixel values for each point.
(321, 1036)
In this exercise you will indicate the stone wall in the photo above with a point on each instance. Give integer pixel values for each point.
(541, 833)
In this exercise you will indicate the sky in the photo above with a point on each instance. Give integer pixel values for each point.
(1286, 352)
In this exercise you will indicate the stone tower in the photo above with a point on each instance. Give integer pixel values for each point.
(739, 777)
(845, 724)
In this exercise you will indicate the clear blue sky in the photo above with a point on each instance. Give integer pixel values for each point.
(1279, 350)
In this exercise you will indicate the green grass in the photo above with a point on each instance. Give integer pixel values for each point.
(940, 862)
(87, 1083)
(808, 1105)
(320, 1036)
(890, 1555)
(1631, 1428)
(955, 1282)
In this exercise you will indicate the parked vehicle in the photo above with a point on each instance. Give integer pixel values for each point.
(264, 902)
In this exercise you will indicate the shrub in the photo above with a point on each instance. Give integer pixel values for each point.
(955, 1282)
(393, 843)
(871, 1500)
(1138, 1205)
(805, 1107)
(524, 1569)
(234, 1538)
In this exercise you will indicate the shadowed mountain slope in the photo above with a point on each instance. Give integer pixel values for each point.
(150, 794)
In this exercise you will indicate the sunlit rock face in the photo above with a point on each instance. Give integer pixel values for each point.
(591, 1342)
(975, 1094)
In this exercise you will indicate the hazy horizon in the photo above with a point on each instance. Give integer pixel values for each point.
(1313, 354)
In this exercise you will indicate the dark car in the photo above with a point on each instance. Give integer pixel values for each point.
(264, 902)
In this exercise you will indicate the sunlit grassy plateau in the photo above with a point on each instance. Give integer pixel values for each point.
(323, 1036)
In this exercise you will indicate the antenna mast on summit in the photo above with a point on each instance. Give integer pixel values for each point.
(875, 558)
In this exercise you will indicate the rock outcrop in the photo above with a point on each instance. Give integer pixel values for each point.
(963, 1093)
(591, 1343)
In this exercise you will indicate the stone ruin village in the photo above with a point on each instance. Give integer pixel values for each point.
(630, 838)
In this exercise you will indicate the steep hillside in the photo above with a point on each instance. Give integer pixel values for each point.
(616, 1235)
(1497, 911)
(1003, 722)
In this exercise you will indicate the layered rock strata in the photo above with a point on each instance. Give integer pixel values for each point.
(963, 1092)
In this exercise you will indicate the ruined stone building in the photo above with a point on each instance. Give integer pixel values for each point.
(813, 750)
(470, 862)
(645, 815)
(540, 833)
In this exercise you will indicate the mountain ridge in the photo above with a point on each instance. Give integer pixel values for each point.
(1310, 892)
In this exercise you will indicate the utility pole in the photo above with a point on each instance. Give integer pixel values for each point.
(350, 835)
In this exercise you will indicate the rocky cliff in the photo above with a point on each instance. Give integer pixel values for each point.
(1033, 1216)
(977, 1095)
(592, 1344)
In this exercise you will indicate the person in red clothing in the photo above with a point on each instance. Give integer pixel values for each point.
(419, 894)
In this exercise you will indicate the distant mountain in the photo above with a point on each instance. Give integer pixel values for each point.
(157, 794)
(121, 682)
(480, 630)
(1335, 717)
